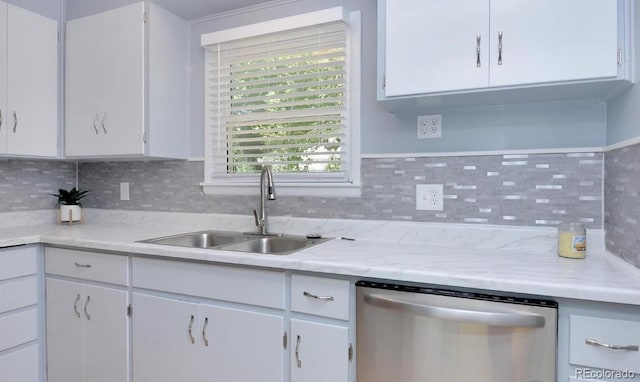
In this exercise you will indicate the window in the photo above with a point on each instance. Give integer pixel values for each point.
(285, 97)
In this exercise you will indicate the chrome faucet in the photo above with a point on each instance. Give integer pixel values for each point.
(261, 221)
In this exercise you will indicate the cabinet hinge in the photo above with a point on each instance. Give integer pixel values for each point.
(129, 310)
(350, 352)
(144, 137)
(145, 17)
(384, 81)
(619, 56)
(284, 341)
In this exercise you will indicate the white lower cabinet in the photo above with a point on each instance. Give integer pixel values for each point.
(19, 315)
(176, 340)
(21, 365)
(320, 352)
(87, 332)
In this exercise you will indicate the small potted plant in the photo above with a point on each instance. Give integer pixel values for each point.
(70, 205)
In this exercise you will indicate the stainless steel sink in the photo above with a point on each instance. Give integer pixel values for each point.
(271, 245)
(239, 242)
(203, 239)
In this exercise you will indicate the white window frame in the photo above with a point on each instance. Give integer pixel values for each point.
(286, 184)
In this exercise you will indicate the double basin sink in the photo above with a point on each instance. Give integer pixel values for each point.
(240, 242)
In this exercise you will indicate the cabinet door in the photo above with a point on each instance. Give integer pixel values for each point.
(319, 352)
(106, 334)
(431, 46)
(82, 86)
(242, 345)
(162, 345)
(553, 41)
(122, 87)
(21, 366)
(3, 78)
(64, 331)
(32, 90)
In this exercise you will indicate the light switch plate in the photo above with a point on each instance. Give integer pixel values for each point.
(124, 191)
(429, 197)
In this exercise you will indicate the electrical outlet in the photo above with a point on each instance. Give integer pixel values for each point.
(430, 197)
(430, 126)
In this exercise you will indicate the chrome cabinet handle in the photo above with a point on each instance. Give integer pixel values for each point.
(75, 306)
(86, 304)
(82, 265)
(104, 117)
(191, 337)
(298, 361)
(589, 341)
(15, 121)
(512, 318)
(499, 48)
(95, 121)
(313, 296)
(478, 63)
(204, 331)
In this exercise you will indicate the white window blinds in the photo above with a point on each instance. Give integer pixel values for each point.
(279, 99)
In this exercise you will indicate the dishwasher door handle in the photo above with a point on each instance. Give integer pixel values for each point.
(513, 319)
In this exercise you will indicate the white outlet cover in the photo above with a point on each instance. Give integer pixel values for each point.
(430, 197)
(429, 126)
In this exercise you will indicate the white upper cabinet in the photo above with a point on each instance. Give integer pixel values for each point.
(552, 41)
(461, 46)
(28, 83)
(428, 51)
(125, 93)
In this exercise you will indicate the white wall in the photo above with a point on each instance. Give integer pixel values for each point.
(623, 113)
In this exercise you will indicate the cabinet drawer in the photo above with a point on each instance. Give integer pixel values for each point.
(320, 296)
(18, 328)
(16, 262)
(606, 331)
(21, 366)
(242, 285)
(18, 294)
(92, 266)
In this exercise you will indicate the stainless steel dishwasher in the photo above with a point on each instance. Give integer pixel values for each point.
(411, 334)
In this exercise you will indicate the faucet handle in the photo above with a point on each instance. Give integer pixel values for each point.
(258, 222)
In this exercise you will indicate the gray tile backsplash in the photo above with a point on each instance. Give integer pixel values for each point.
(622, 203)
(26, 184)
(526, 190)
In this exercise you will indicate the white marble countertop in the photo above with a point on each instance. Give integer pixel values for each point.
(506, 259)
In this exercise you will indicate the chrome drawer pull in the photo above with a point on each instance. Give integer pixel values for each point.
(95, 121)
(499, 48)
(313, 296)
(15, 121)
(82, 265)
(589, 341)
(204, 331)
(191, 337)
(298, 360)
(85, 308)
(478, 63)
(75, 306)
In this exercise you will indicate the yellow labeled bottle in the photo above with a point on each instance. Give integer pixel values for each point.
(572, 240)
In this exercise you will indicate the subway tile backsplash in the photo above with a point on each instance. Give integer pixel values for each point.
(25, 185)
(622, 203)
(526, 190)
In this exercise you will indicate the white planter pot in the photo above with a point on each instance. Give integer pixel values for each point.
(75, 211)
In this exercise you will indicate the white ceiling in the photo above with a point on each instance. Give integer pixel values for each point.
(187, 9)
(193, 9)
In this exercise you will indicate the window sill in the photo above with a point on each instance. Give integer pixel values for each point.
(286, 189)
